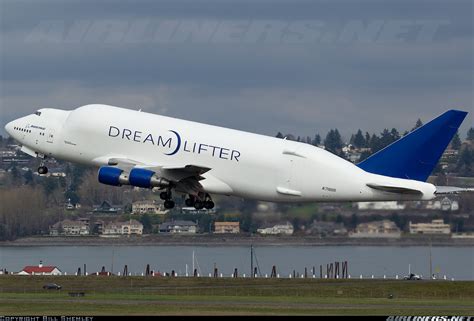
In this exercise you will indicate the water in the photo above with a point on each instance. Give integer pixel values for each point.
(455, 262)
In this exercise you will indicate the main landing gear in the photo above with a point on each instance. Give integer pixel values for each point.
(167, 197)
(198, 203)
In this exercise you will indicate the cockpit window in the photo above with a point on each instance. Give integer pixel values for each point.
(38, 113)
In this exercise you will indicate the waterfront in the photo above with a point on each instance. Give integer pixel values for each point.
(455, 262)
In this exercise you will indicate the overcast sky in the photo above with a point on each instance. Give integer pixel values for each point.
(298, 67)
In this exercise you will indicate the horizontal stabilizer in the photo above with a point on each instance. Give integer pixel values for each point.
(415, 155)
(395, 189)
(442, 190)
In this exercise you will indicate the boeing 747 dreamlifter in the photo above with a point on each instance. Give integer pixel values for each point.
(151, 151)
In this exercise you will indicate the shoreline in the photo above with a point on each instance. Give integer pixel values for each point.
(233, 240)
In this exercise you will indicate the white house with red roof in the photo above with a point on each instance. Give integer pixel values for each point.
(40, 270)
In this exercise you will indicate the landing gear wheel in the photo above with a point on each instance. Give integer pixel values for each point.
(169, 204)
(209, 204)
(190, 201)
(198, 205)
(165, 195)
(42, 170)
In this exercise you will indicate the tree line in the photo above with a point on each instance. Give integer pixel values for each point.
(369, 144)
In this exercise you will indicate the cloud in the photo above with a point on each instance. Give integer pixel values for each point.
(344, 64)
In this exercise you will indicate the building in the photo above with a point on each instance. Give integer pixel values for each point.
(433, 205)
(328, 229)
(382, 229)
(107, 208)
(7, 153)
(276, 229)
(351, 153)
(98, 227)
(179, 227)
(148, 206)
(435, 227)
(390, 205)
(40, 270)
(131, 227)
(193, 210)
(226, 227)
(449, 205)
(70, 228)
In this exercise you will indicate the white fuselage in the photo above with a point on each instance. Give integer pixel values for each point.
(241, 163)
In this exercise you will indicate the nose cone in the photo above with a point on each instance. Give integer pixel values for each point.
(9, 128)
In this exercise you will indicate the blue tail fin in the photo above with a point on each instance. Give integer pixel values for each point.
(416, 155)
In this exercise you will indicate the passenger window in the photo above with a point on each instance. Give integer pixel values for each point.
(38, 113)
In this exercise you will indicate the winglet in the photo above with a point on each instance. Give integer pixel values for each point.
(415, 155)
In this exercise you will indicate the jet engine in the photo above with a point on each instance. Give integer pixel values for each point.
(147, 179)
(112, 176)
(137, 177)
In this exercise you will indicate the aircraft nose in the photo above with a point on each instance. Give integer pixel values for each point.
(9, 128)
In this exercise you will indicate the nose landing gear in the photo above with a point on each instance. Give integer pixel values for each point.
(42, 169)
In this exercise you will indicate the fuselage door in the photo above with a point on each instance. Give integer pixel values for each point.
(50, 138)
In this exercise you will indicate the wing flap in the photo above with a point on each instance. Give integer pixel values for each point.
(182, 172)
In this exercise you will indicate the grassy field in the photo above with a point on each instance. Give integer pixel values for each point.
(208, 296)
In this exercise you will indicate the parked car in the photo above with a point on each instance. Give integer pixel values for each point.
(412, 277)
(52, 286)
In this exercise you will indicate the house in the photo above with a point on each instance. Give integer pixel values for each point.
(106, 208)
(40, 270)
(327, 228)
(351, 153)
(148, 206)
(226, 227)
(98, 227)
(193, 210)
(276, 229)
(131, 227)
(7, 153)
(449, 205)
(179, 227)
(57, 174)
(433, 205)
(70, 228)
(382, 229)
(435, 227)
(389, 205)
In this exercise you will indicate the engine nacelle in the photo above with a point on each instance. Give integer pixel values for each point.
(147, 179)
(111, 176)
(137, 177)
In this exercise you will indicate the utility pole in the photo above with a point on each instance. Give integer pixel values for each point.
(112, 267)
(431, 264)
(251, 260)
